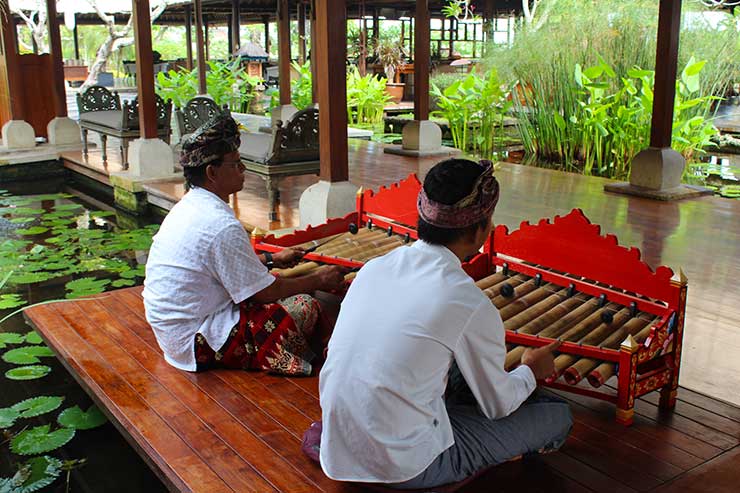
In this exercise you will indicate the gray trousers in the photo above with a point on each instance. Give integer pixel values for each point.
(541, 423)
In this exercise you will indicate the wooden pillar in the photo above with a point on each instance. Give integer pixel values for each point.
(57, 64)
(76, 39)
(301, 32)
(11, 107)
(362, 62)
(376, 28)
(144, 69)
(403, 36)
(266, 21)
(666, 66)
(314, 72)
(236, 41)
(283, 15)
(189, 37)
(331, 55)
(422, 56)
(200, 46)
(452, 36)
(207, 35)
(229, 36)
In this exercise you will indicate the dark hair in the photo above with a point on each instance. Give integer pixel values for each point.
(447, 183)
(195, 176)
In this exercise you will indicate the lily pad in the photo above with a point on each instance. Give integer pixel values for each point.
(31, 372)
(10, 338)
(119, 283)
(32, 475)
(76, 418)
(102, 213)
(40, 439)
(33, 230)
(86, 286)
(36, 406)
(27, 354)
(11, 301)
(33, 337)
(30, 277)
(21, 220)
(25, 211)
(8, 415)
(67, 207)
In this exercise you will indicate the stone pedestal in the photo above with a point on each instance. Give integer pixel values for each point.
(63, 131)
(324, 200)
(150, 158)
(421, 138)
(656, 174)
(18, 134)
(283, 113)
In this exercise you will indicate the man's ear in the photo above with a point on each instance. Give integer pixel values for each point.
(210, 172)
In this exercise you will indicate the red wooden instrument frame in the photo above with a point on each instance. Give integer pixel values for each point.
(569, 244)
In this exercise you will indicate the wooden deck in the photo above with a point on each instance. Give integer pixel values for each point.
(240, 431)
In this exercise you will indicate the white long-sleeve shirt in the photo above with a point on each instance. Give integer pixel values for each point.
(405, 318)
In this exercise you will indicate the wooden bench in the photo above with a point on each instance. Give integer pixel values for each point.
(195, 113)
(291, 149)
(101, 111)
(225, 430)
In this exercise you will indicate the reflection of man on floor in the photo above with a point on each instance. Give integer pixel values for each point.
(209, 298)
(414, 392)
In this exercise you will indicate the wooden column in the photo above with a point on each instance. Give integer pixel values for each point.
(452, 36)
(200, 45)
(57, 64)
(422, 56)
(283, 15)
(362, 62)
(376, 28)
(314, 72)
(666, 66)
(189, 37)
(11, 78)
(144, 69)
(331, 55)
(206, 35)
(236, 41)
(76, 39)
(266, 21)
(301, 32)
(229, 35)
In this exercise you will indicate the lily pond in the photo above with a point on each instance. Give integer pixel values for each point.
(52, 436)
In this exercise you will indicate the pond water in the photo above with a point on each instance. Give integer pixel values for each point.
(55, 246)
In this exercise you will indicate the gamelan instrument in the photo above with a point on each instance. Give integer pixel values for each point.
(621, 323)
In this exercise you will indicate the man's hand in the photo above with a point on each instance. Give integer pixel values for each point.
(331, 277)
(288, 257)
(541, 360)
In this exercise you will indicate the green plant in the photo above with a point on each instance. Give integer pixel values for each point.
(474, 108)
(390, 54)
(302, 87)
(366, 98)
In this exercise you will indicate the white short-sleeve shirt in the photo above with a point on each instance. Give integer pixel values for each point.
(405, 318)
(200, 266)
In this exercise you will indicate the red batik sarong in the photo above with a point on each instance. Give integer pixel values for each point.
(272, 337)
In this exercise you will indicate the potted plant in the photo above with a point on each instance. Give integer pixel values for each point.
(390, 54)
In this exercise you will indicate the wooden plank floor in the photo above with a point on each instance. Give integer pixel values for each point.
(700, 236)
(240, 431)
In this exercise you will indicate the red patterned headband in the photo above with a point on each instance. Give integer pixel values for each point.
(469, 210)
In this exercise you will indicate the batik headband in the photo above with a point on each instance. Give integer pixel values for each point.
(469, 210)
(210, 142)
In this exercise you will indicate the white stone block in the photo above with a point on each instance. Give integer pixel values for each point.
(283, 113)
(150, 158)
(657, 169)
(325, 200)
(63, 131)
(18, 134)
(422, 135)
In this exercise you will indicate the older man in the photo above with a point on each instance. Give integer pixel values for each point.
(209, 298)
(414, 393)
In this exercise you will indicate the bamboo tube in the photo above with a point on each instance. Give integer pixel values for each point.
(535, 311)
(593, 338)
(381, 249)
(297, 271)
(351, 241)
(494, 290)
(606, 370)
(322, 241)
(583, 366)
(491, 280)
(525, 296)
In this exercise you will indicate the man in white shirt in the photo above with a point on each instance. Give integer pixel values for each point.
(414, 393)
(208, 297)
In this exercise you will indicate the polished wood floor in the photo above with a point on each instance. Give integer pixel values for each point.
(700, 236)
(226, 430)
